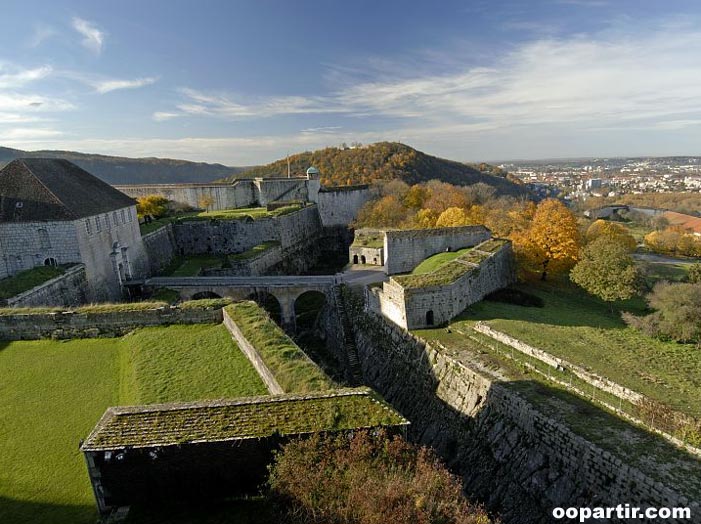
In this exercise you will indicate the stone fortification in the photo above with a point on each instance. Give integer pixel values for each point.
(106, 323)
(404, 250)
(416, 301)
(522, 461)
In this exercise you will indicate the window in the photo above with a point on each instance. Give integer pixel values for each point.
(124, 220)
(98, 226)
(88, 227)
(51, 262)
(114, 217)
(44, 241)
(107, 221)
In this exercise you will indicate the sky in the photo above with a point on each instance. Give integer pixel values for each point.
(247, 82)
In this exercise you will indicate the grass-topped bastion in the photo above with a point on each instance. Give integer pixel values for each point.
(244, 213)
(443, 285)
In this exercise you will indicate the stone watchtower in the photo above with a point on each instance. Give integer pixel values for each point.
(313, 184)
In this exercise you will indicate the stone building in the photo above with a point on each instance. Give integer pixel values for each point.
(52, 212)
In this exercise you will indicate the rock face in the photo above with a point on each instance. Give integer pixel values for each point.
(520, 461)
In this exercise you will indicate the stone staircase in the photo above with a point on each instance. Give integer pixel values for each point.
(348, 342)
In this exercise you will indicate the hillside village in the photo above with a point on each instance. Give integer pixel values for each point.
(192, 339)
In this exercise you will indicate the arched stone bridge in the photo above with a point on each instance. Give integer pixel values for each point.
(284, 289)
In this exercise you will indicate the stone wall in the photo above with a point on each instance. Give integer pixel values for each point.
(520, 461)
(66, 325)
(252, 354)
(339, 206)
(241, 193)
(69, 289)
(404, 250)
(24, 245)
(160, 248)
(198, 237)
(372, 255)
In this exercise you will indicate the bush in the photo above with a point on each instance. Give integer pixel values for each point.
(367, 480)
(515, 297)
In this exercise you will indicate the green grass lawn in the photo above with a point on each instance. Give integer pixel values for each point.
(581, 329)
(53, 392)
(191, 265)
(432, 263)
(26, 280)
(656, 271)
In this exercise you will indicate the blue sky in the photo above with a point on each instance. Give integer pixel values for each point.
(245, 82)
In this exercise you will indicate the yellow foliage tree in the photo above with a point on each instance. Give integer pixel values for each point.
(551, 244)
(426, 218)
(613, 231)
(151, 205)
(453, 216)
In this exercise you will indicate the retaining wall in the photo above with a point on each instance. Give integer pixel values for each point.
(69, 324)
(69, 289)
(160, 248)
(252, 354)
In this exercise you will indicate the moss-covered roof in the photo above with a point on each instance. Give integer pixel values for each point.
(238, 419)
(451, 271)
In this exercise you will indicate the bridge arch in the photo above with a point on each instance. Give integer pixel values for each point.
(270, 303)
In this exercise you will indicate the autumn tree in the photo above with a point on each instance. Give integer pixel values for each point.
(416, 196)
(694, 273)
(607, 270)
(443, 195)
(451, 217)
(367, 479)
(612, 230)
(205, 201)
(154, 206)
(426, 218)
(551, 243)
(388, 211)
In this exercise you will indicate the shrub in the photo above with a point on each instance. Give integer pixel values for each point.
(367, 479)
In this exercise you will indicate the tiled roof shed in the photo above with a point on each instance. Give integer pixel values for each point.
(47, 189)
(207, 450)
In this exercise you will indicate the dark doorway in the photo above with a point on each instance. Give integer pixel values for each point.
(51, 262)
(362, 259)
(429, 317)
(355, 259)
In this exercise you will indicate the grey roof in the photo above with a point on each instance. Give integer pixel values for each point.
(41, 189)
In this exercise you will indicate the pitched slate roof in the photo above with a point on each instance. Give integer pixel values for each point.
(40, 189)
(240, 419)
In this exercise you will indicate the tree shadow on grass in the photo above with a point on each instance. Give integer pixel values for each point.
(25, 512)
(564, 305)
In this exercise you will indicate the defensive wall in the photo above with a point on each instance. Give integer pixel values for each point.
(520, 460)
(68, 289)
(404, 250)
(337, 205)
(160, 247)
(416, 301)
(104, 321)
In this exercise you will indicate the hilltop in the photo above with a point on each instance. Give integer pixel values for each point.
(384, 161)
(122, 170)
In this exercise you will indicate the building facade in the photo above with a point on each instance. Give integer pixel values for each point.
(53, 213)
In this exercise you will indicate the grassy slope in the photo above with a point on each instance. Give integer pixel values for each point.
(53, 393)
(26, 280)
(436, 261)
(581, 329)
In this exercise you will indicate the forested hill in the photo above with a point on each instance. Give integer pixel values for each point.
(121, 170)
(385, 161)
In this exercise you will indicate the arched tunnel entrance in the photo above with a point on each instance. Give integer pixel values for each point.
(205, 294)
(268, 302)
(308, 306)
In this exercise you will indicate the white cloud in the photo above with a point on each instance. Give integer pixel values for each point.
(162, 116)
(12, 77)
(106, 85)
(42, 32)
(28, 134)
(93, 38)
